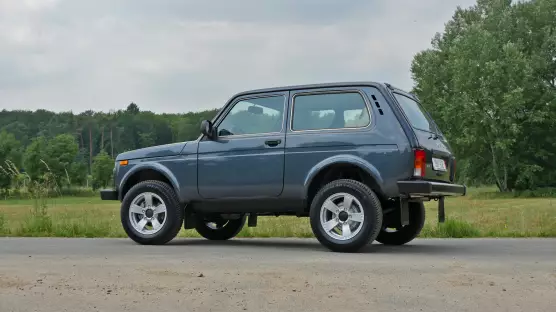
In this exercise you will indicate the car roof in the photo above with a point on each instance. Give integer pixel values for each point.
(322, 85)
(309, 86)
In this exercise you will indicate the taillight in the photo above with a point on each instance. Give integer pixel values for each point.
(419, 163)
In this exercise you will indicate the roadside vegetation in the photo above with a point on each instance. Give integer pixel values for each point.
(471, 216)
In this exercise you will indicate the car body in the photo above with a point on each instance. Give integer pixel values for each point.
(270, 152)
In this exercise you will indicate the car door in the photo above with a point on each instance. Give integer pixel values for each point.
(246, 159)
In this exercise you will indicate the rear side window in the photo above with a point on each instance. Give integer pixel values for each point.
(415, 113)
(329, 111)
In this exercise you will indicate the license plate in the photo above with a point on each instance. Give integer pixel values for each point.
(438, 164)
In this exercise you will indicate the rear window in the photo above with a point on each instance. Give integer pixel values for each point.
(415, 113)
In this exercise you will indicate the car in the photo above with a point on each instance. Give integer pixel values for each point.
(359, 159)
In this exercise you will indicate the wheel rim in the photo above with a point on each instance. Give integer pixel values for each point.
(342, 216)
(147, 213)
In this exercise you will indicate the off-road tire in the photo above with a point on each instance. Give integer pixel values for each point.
(229, 230)
(408, 232)
(174, 213)
(371, 207)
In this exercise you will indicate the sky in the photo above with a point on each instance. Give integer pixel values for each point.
(176, 56)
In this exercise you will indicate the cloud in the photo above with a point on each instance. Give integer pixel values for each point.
(179, 56)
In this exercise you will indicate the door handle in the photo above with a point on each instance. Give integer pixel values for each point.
(272, 143)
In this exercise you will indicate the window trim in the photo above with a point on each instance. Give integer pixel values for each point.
(365, 100)
(259, 96)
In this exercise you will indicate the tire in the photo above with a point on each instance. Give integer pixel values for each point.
(359, 234)
(223, 229)
(159, 193)
(407, 233)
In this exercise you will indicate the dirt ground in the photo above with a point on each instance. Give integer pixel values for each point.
(276, 275)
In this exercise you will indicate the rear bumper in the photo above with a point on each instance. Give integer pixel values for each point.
(430, 189)
(109, 195)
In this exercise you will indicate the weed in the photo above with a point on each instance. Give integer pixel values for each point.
(2, 224)
(452, 228)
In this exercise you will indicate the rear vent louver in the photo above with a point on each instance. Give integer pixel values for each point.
(377, 105)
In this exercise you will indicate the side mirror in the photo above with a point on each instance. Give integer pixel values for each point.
(207, 129)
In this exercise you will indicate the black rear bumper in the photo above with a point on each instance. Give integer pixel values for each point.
(109, 195)
(430, 189)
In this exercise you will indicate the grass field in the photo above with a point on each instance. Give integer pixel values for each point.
(470, 216)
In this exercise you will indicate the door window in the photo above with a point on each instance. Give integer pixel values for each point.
(254, 116)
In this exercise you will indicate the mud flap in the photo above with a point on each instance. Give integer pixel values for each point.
(441, 214)
(189, 220)
(252, 220)
(404, 212)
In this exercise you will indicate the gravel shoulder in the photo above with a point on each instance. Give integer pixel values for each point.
(56, 274)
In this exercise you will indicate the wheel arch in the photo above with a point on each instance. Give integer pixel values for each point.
(151, 171)
(342, 166)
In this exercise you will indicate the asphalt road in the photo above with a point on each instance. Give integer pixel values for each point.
(39, 274)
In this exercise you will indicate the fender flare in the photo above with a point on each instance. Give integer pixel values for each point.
(343, 159)
(149, 166)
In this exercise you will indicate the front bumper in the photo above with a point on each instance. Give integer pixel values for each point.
(109, 195)
(430, 189)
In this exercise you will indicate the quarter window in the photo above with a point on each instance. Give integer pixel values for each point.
(330, 111)
(253, 116)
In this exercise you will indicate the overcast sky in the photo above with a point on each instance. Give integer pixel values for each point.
(179, 56)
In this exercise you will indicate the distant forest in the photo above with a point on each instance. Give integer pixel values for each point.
(114, 132)
(69, 143)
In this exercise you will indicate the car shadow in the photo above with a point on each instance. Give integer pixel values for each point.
(438, 247)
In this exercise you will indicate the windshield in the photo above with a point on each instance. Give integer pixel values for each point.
(415, 113)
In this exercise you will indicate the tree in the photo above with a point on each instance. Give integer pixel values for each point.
(490, 83)
(55, 155)
(10, 156)
(103, 166)
(33, 158)
(60, 153)
(78, 169)
(132, 109)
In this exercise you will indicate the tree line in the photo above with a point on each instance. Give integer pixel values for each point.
(79, 149)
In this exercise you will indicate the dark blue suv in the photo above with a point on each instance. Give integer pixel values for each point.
(359, 159)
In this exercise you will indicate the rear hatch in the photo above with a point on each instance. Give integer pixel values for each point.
(439, 163)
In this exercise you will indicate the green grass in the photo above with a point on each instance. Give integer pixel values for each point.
(475, 215)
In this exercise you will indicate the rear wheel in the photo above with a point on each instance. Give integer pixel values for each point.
(405, 234)
(218, 228)
(345, 215)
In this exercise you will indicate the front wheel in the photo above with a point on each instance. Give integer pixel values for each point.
(151, 213)
(407, 233)
(218, 228)
(345, 215)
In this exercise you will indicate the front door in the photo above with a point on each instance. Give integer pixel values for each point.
(246, 160)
